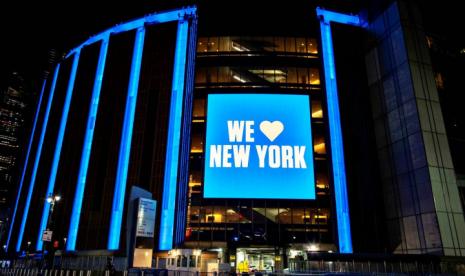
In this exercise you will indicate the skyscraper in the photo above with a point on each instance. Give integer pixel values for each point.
(14, 100)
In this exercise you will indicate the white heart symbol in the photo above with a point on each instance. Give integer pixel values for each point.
(271, 129)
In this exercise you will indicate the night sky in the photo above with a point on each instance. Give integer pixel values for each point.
(29, 29)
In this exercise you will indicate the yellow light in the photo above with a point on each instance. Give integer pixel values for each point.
(321, 185)
(320, 148)
(192, 184)
(315, 81)
(317, 114)
(216, 217)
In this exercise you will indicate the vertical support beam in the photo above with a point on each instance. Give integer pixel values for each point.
(86, 149)
(125, 146)
(37, 159)
(26, 161)
(58, 146)
(337, 150)
(173, 140)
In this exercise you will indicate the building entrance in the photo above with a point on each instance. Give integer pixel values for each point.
(255, 259)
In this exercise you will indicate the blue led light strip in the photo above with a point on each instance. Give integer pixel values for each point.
(154, 18)
(26, 161)
(58, 146)
(173, 141)
(330, 16)
(86, 149)
(125, 146)
(337, 151)
(37, 159)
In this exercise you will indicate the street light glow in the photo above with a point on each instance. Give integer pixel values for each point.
(49, 199)
(57, 198)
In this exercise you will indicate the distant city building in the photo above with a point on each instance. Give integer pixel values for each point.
(13, 116)
(17, 104)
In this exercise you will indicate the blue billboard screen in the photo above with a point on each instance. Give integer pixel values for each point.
(259, 146)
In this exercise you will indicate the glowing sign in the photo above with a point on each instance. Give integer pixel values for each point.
(259, 146)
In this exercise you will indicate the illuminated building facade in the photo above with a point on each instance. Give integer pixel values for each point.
(262, 141)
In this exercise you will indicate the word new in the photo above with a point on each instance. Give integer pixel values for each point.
(273, 156)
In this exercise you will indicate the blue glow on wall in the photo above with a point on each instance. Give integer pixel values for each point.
(337, 150)
(256, 145)
(26, 161)
(58, 146)
(37, 159)
(86, 150)
(173, 140)
(125, 146)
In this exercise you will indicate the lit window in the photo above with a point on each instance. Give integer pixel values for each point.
(314, 77)
(319, 146)
(317, 110)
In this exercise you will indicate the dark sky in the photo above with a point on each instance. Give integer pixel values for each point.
(30, 28)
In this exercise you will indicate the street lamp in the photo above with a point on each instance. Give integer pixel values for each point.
(51, 199)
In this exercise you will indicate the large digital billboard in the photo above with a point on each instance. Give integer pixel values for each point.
(259, 146)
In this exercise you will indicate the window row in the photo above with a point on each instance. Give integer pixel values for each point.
(222, 214)
(196, 182)
(249, 45)
(198, 112)
(227, 74)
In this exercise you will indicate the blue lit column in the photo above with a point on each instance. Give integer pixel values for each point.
(86, 149)
(337, 150)
(173, 140)
(58, 146)
(125, 146)
(26, 161)
(37, 159)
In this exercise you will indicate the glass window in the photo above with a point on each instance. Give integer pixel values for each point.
(213, 44)
(192, 261)
(322, 186)
(312, 46)
(290, 44)
(212, 75)
(202, 44)
(319, 146)
(301, 45)
(225, 43)
(291, 75)
(317, 109)
(197, 142)
(279, 44)
(303, 76)
(268, 44)
(199, 108)
(259, 45)
(184, 261)
(224, 75)
(201, 75)
(314, 76)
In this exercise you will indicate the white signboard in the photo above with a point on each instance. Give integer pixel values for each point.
(146, 217)
(47, 235)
